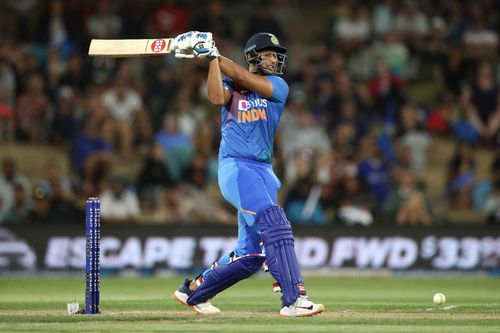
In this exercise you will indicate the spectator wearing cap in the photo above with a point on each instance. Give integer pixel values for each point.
(119, 204)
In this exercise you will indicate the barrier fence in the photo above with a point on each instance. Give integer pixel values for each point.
(149, 249)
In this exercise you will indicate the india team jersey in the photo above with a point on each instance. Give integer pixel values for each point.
(250, 121)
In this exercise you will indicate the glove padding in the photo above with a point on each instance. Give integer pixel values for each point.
(186, 43)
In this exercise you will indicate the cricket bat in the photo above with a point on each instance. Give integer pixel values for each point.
(122, 48)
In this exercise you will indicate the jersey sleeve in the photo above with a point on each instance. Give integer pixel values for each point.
(228, 83)
(280, 88)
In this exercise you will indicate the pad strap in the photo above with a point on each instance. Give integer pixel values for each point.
(221, 277)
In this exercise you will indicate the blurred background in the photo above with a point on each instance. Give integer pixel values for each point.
(391, 129)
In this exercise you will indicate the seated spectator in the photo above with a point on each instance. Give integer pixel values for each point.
(22, 207)
(177, 146)
(104, 23)
(119, 204)
(10, 175)
(352, 29)
(197, 173)
(461, 176)
(296, 204)
(91, 156)
(6, 122)
(481, 103)
(394, 53)
(373, 169)
(63, 121)
(355, 204)
(480, 42)
(60, 191)
(492, 205)
(31, 112)
(125, 107)
(42, 212)
(413, 141)
(6, 199)
(387, 93)
(153, 179)
(407, 204)
(412, 23)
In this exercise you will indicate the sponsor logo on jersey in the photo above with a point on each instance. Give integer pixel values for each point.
(252, 110)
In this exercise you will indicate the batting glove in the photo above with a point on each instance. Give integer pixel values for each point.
(203, 49)
(214, 54)
(183, 41)
(184, 53)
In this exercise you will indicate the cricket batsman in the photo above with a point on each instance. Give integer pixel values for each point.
(252, 102)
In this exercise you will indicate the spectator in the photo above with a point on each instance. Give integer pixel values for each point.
(352, 29)
(373, 170)
(21, 208)
(177, 146)
(42, 212)
(411, 22)
(414, 142)
(125, 107)
(481, 102)
(407, 204)
(60, 191)
(11, 176)
(6, 199)
(31, 112)
(103, 23)
(387, 92)
(492, 205)
(91, 156)
(461, 176)
(479, 42)
(394, 53)
(300, 206)
(64, 124)
(118, 203)
(7, 83)
(355, 204)
(154, 178)
(169, 18)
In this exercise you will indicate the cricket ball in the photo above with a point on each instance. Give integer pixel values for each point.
(439, 298)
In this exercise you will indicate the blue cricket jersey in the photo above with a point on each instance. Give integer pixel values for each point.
(250, 121)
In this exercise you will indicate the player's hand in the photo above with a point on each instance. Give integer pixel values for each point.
(190, 39)
(193, 43)
(204, 50)
(184, 54)
(183, 41)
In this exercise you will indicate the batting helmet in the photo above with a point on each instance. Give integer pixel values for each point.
(264, 41)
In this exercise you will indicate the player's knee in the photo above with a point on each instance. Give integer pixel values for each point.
(252, 264)
(274, 225)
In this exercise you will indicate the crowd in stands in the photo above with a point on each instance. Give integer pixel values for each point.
(352, 148)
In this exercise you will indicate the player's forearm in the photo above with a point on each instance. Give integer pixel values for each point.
(215, 89)
(231, 69)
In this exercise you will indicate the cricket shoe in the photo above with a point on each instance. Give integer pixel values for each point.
(182, 294)
(302, 307)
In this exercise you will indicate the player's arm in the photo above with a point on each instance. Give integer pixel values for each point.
(217, 94)
(246, 79)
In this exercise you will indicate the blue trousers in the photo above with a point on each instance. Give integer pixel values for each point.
(250, 187)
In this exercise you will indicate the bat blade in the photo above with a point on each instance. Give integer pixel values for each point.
(122, 48)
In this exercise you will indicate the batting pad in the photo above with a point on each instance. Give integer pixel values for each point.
(224, 276)
(281, 259)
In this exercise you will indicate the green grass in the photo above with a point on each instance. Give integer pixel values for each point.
(353, 305)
